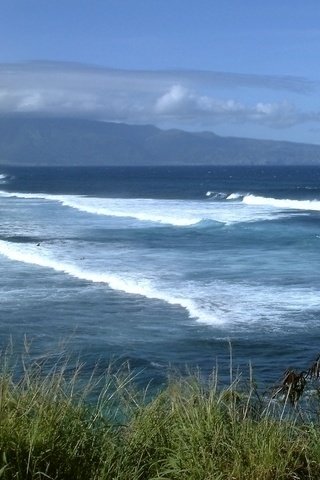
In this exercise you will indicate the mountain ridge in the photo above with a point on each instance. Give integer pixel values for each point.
(26, 141)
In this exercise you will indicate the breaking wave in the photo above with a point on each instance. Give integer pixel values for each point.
(218, 303)
(220, 196)
(133, 286)
(4, 178)
(313, 205)
(178, 213)
(256, 200)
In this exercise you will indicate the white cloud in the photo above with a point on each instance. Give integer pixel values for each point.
(163, 97)
(180, 103)
(172, 100)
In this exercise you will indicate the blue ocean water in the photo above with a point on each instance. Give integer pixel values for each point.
(163, 266)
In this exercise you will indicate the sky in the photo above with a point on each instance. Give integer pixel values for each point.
(237, 68)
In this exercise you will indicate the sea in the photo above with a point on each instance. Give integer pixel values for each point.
(163, 267)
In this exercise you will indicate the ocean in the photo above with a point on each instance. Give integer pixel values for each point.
(163, 267)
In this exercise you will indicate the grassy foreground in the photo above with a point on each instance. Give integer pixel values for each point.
(49, 430)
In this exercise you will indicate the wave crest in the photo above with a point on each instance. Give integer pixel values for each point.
(313, 205)
(4, 178)
(178, 213)
(133, 286)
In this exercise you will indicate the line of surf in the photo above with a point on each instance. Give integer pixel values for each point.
(280, 203)
(256, 200)
(167, 212)
(178, 213)
(222, 196)
(142, 287)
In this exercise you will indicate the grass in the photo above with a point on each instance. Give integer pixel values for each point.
(191, 430)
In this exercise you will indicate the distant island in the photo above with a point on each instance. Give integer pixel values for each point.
(26, 141)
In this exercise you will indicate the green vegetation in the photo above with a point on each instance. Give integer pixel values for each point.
(192, 430)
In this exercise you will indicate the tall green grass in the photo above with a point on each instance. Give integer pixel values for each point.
(51, 429)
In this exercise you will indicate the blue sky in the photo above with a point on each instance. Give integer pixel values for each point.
(244, 68)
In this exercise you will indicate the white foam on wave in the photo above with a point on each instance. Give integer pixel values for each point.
(169, 212)
(235, 196)
(135, 286)
(279, 203)
(4, 178)
(39, 196)
(217, 303)
(180, 213)
(216, 195)
(257, 306)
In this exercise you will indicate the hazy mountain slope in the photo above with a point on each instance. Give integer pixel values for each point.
(43, 141)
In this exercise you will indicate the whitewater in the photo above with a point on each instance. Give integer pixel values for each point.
(177, 212)
(163, 267)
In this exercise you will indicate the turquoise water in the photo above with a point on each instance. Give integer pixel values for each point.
(162, 266)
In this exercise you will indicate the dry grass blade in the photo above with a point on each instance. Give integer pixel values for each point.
(293, 385)
(314, 370)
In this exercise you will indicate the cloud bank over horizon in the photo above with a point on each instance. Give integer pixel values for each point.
(166, 98)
